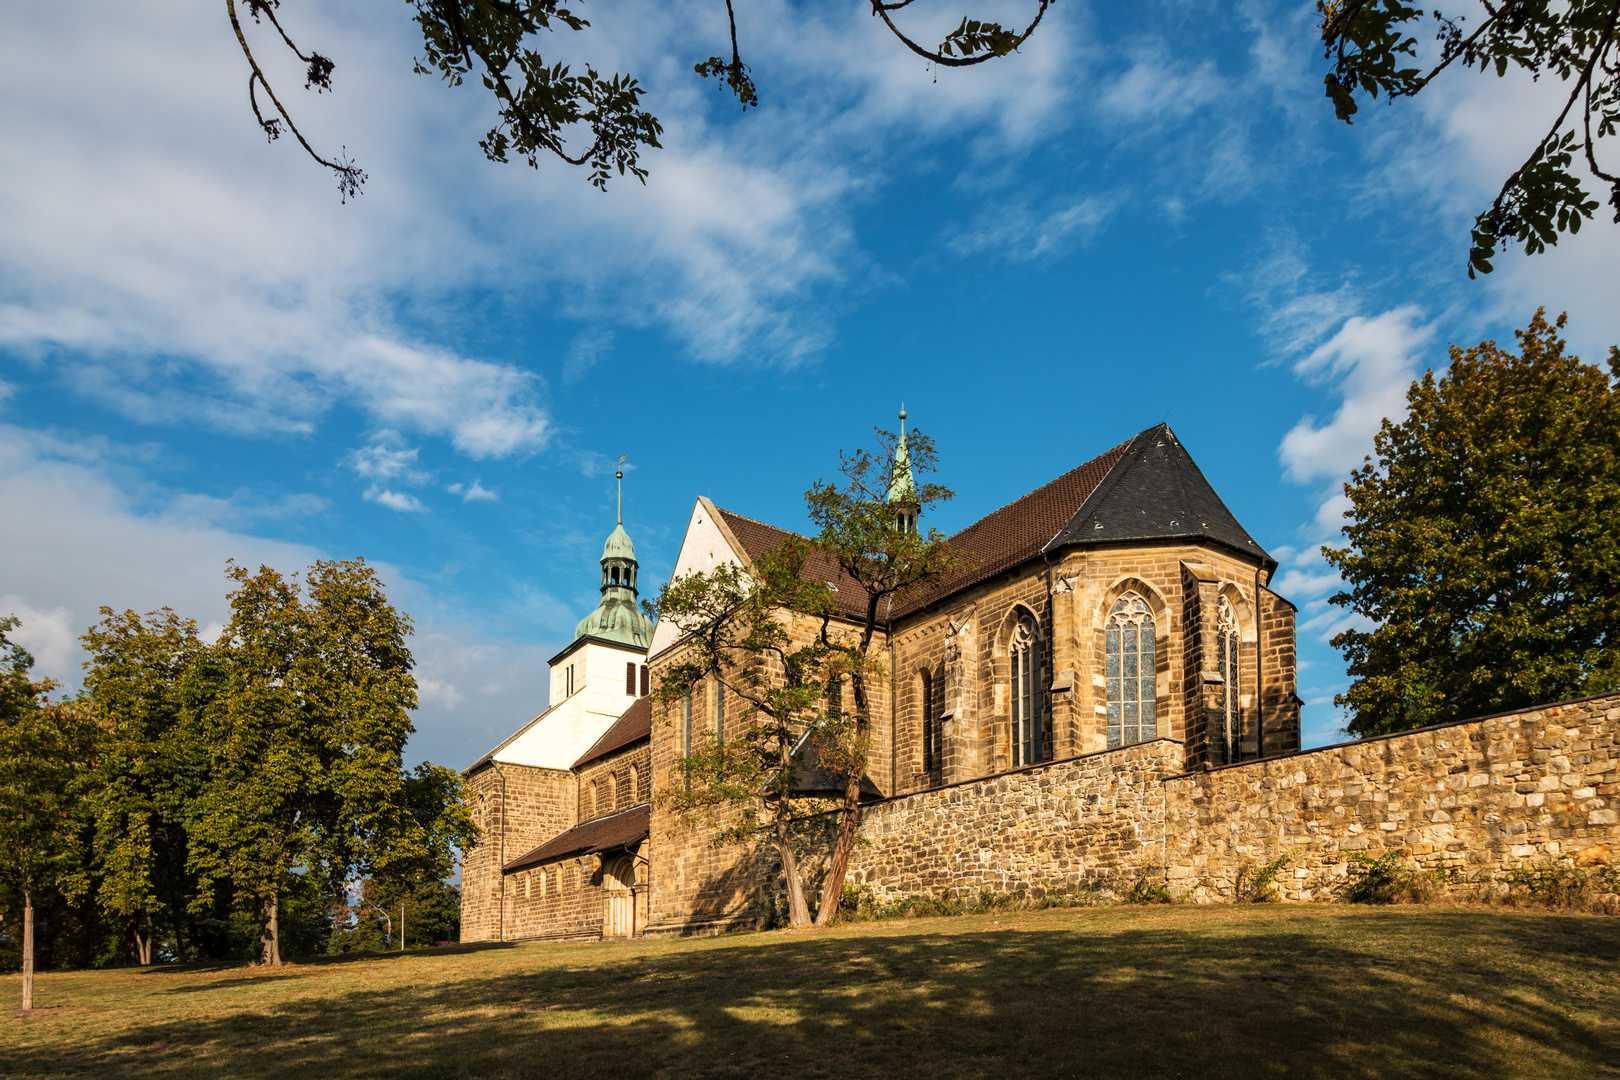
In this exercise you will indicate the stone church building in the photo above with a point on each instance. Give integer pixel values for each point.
(1120, 606)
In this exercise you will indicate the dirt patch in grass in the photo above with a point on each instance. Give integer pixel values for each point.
(1289, 991)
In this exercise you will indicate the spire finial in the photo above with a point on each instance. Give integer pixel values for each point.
(618, 474)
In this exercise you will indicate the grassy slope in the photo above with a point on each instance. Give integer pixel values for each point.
(1298, 991)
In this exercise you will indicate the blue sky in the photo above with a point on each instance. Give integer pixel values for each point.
(1148, 214)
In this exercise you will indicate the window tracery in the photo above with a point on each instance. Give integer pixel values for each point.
(1226, 663)
(1024, 654)
(1129, 671)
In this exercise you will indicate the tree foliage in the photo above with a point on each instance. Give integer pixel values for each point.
(305, 730)
(47, 751)
(778, 636)
(1482, 543)
(856, 530)
(1372, 47)
(739, 628)
(541, 107)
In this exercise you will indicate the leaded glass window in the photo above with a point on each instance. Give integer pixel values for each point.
(1226, 662)
(1129, 671)
(932, 742)
(1024, 651)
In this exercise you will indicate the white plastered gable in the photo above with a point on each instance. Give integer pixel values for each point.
(708, 543)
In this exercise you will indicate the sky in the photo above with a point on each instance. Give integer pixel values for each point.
(1147, 214)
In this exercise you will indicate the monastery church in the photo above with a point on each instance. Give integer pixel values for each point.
(1117, 614)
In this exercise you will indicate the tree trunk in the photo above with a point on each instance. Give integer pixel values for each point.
(28, 950)
(798, 913)
(143, 945)
(849, 816)
(179, 938)
(270, 933)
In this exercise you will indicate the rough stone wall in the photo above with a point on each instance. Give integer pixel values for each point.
(558, 901)
(1281, 703)
(1083, 823)
(964, 640)
(1481, 797)
(532, 806)
(621, 780)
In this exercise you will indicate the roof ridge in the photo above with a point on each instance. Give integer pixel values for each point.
(1055, 480)
(756, 521)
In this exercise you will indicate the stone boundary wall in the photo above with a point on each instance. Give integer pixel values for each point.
(1534, 787)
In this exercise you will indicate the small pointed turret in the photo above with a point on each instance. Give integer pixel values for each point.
(902, 498)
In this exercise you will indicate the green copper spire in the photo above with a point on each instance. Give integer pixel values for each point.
(617, 618)
(902, 497)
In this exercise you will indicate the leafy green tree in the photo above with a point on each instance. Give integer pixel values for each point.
(46, 750)
(149, 772)
(305, 727)
(1482, 543)
(1371, 44)
(539, 103)
(746, 628)
(384, 913)
(867, 527)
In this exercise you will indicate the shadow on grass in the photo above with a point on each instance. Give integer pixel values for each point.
(1419, 994)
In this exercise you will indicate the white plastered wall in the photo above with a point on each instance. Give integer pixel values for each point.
(707, 544)
(557, 738)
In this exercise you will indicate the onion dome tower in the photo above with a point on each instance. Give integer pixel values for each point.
(902, 499)
(617, 617)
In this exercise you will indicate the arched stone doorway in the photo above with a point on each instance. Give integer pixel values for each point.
(618, 896)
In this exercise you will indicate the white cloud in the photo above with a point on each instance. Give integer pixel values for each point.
(386, 459)
(477, 492)
(395, 500)
(1019, 234)
(585, 351)
(1369, 363)
(74, 540)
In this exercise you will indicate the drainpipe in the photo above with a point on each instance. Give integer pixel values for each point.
(500, 863)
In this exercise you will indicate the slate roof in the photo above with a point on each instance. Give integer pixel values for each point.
(588, 838)
(1155, 491)
(632, 727)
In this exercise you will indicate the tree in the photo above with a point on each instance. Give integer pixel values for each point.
(305, 726)
(1482, 543)
(538, 103)
(46, 751)
(739, 626)
(149, 771)
(868, 528)
(1369, 41)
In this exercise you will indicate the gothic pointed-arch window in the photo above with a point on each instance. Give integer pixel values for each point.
(1129, 669)
(1024, 653)
(932, 744)
(1226, 662)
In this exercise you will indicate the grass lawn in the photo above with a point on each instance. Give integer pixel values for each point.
(1216, 991)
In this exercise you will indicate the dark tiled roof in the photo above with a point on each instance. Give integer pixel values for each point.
(1155, 492)
(1147, 488)
(589, 837)
(1020, 530)
(757, 538)
(811, 777)
(633, 726)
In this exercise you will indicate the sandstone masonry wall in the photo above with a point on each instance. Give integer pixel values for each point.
(1482, 797)
(519, 807)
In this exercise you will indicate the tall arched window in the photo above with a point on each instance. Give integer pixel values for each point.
(590, 800)
(932, 741)
(686, 737)
(719, 711)
(635, 785)
(1024, 652)
(1132, 716)
(1226, 662)
(610, 795)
